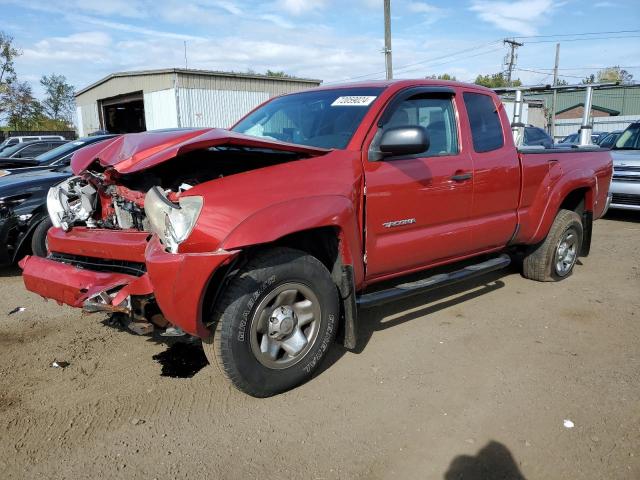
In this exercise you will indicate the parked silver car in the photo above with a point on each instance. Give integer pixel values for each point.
(625, 185)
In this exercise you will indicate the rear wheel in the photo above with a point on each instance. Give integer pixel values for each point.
(554, 258)
(274, 323)
(39, 244)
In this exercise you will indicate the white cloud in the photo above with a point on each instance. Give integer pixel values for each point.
(299, 7)
(423, 7)
(520, 16)
(604, 5)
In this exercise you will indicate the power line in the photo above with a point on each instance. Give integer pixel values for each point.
(421, 62)
(584, 39)
(578, 34)
(587, 68)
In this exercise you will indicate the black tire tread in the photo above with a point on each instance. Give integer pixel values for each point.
(537, 263)
(41, 230)
(217, 347)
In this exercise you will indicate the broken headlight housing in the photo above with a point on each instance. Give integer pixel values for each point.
(73, 200)
(173, 223)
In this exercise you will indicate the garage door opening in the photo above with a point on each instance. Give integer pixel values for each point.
(123, 114)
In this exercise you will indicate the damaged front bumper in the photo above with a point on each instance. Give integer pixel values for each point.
(105, 270)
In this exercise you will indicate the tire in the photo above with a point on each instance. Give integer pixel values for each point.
(39, 238)
(259, 317)
(553, 259)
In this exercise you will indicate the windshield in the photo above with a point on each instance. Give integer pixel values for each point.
(60, 151)
(629, 139)
(8, 151)
(321, 118)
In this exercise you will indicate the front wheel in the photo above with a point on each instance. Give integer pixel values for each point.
(39, 244)
(554, 258)
(274, 322)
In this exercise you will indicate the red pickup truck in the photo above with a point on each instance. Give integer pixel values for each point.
(264, 240)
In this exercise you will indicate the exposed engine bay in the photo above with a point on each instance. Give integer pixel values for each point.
(103, 198)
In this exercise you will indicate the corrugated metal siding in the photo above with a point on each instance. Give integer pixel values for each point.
(79, 125)
(216, 108)
(567, 126)
(273, 87)
(122, 85)
(625, 100)
(88, 115)
(160, 109)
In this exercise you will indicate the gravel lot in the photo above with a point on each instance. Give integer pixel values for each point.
(471, 382)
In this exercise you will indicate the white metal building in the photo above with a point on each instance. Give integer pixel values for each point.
(173, 98)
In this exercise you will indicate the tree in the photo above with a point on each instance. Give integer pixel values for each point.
(496, 80)
(609, 74)
(444, 76)
(562, 82)
(277, 74)
(22, 109)
(59, 100)
(8, 54)
(614, 74)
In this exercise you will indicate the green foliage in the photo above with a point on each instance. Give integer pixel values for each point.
(443, 76)
(8, 54)
(277, 74)
(609, 74)
(59, 101)
(496, 80)
(21, 108)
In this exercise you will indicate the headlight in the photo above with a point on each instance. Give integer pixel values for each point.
(4, 173)
(172, 222)
(54, 206)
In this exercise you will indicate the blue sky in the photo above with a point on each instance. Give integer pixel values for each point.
(332, 40)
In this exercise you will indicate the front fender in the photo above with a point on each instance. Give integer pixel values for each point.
(279, 220)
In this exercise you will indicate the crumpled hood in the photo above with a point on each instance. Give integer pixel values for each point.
(138, 151)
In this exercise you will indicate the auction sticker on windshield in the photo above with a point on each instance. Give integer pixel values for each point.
(353, 101)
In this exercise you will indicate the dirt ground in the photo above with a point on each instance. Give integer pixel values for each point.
(472, 382)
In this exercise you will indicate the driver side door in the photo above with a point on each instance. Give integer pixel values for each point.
(418, 207)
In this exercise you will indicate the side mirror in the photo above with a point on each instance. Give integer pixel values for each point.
(398, 141)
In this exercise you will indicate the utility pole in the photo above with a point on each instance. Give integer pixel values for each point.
(510, 60)
(552, 130)
(387, 39)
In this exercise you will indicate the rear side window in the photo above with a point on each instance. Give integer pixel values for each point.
(486, 129)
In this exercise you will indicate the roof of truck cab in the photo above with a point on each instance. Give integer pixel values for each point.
(401, 84)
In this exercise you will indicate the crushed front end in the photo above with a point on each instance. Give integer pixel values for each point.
(127, 236)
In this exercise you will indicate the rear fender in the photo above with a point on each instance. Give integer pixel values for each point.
(282, 219)
(575, 180)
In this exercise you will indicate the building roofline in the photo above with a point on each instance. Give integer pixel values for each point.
(613, 113)
(184, 71)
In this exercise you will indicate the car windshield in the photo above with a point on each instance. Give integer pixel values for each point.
(321, 118)
(629, 139)
(60, 151)
(8, 151)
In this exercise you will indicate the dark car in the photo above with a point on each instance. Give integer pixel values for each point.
(58, 156)
(536, 136)
(609, 140)
(574, 138)
(30, 149)
(24, 219)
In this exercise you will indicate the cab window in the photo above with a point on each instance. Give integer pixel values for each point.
(486, 129)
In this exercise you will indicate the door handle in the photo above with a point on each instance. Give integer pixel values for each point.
(461, 177)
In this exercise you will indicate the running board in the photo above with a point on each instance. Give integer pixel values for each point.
(431, 283)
